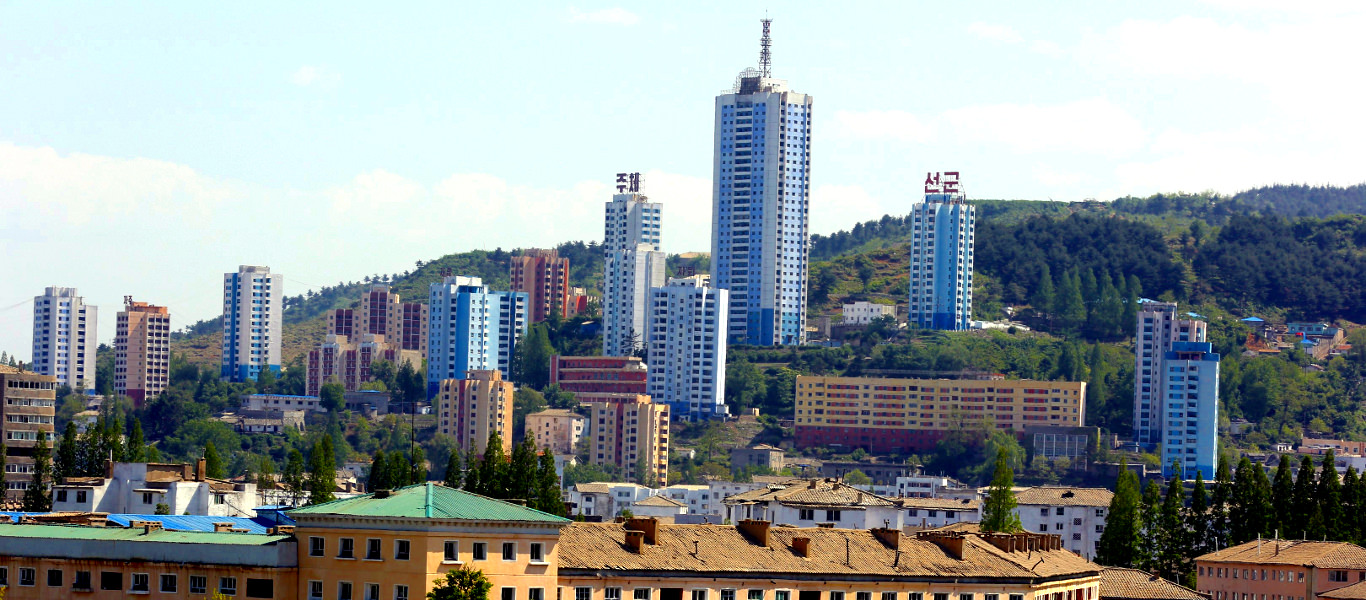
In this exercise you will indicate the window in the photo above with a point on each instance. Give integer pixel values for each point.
(80, 496)
(583, 593)
(863, 596)
(82, 582)
(727, 594)
(109, 580)
(61, 495)
(141, 583)
(316, 546)
(262, 588)
(168, 583)
(782, 595)
(452, 551)
(199, 584)
(964, 596)
(1017, 597)
(508, 593)
(227, 586)
(54, 578)
(4, 575)
(640, 594)
(348, 548)
(888, 595)
(372, 591)
(372, 549)
(535, 594)
(756, 595)
(400, 592)
(699, 595)
(401, 549)
(991, 597)
(1059, 511)
(941, 596)
(806, 514)
(509, 550)
(611, 593)
(343, 590)
(147, 497)
(537, 552)
(832, 515)
(481, 551)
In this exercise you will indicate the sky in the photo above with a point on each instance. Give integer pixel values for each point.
(147, 148)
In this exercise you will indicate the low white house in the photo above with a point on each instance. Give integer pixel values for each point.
(933, 486)
(140, 487)
(659, 507)
(862, 313)
(1076, 514)
(812, 502)
(931, 513)
(606, 500)
(698, 498)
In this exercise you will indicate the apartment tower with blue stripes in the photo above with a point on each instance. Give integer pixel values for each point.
(942, 230)
(761, 195)
(633, 265)
(1190, 412)
(471, 328)
(253, 322)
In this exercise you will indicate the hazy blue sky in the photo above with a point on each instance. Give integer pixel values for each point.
(146, 148)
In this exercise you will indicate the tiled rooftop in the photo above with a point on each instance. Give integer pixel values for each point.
(1323, 555)
(811, 492)
(1132, 584)
(1064, 496)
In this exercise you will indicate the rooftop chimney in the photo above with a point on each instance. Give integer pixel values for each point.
(634, 540)
(951, 542)
(891, 537)
(222, 527)
(811, 484)
(109, 469)
(646, 525)
(199, 468)
(756, 530)
(802, 546)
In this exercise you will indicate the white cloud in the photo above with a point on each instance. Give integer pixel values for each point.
(1047, 48)
(606, 16)
(881, 124)
(309, 75)
(999, 33)
(1055, 178)
(836, 207)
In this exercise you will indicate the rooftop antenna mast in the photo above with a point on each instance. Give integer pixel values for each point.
(765, 52)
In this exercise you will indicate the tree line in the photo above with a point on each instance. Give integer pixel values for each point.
(1165, 532)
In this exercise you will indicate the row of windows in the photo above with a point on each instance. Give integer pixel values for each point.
(614, 593)
(83, 581)
(317, 546)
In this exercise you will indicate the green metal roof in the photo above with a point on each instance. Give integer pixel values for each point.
(430, 501)
(135, 534)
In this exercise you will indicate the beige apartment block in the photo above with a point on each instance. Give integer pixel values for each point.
(142, 351)
(557, 429)
(470, 409)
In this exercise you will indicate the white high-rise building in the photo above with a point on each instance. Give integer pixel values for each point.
(471, 328)
(761, 193)
(633, 265)
(1158, 328)
(253, 322)
(687, 348)
(1190, 410)
(941, 256)
(64, 329)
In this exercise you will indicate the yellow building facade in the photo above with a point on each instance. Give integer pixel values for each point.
(393, 546)
(887, 415)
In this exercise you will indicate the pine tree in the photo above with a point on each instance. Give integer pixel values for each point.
(1043, 298)
(548, 495)
(1150, 513)
(37, 497)
(1358, 522)
(1173, 539)
(137, 451)
(472, 483)
(322, 473)
(113, 434)
(1219, 506)
(1351, 504)
(1071, 311)
(454, 478)
(66, 463)
(521, 477)
(1304, 502)
(1282, 496)
(493, 469)
(998, 510)
(1250, 510)
(1198, 518)
(293, 476)
(265, 478)
(1330, 499)
(1131, 292)
(1119, 543)
(399, 468)
(379, 473)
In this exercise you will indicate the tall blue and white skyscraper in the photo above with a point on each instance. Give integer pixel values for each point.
(253, 322)
(941, 256)
(1159, 328)
(761, 194)
(633, 264)
(1190, 409)
(471, 328)
(687, 348)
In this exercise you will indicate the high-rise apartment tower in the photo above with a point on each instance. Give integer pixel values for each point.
(633, 264)
(142, 351)
(761, 195)
(687, 348)
(472, 328)
(1158, 328)
(64, 329)
(253, 322)
(941, 256)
